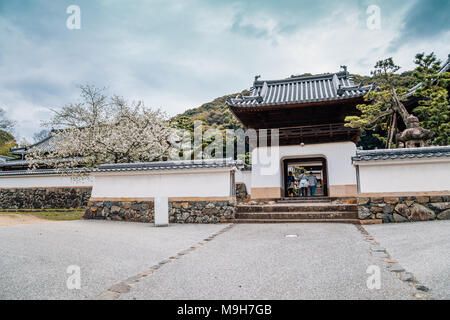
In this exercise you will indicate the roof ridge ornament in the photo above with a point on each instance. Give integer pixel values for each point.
(264, 90)
(336, 84)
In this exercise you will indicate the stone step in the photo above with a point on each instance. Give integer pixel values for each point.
(304, 199)
(298, 215)
(352, 221)
(299, 207)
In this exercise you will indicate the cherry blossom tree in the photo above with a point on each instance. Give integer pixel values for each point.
(98, 130)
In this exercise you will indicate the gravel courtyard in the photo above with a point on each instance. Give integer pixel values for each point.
(243, 261)
(422, 248)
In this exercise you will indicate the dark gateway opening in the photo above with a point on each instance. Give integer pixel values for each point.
(312, 166)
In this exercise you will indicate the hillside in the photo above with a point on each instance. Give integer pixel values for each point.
(405, 79)
(6, 142)
(214, 114)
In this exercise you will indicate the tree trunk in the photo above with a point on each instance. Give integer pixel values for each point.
(392, 130)
(400, 108)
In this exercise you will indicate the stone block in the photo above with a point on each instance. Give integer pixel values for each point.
(136, 206)
(435, 198)
(105, 212)
(391, 200)
(440, 205)
(115, 209)
(126, 205)
(387, 218)
(444, 215)
(377, 200)
(388, 208)
(402, 209)
(185, 205)
(363, 212)
(363, 201)
(399, 218)
(422, 199)
(421, 213)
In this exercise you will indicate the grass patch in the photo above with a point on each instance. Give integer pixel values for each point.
(51, 215)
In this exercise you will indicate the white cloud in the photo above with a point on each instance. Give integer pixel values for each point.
(180, 54)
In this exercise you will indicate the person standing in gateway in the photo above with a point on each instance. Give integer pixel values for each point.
(303, 178)
(312, 184)
(291, 184)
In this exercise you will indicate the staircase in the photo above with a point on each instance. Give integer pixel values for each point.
(305, 200)
(289, 210)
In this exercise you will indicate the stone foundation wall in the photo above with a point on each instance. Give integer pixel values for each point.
(137, 211)
(208, 211)
(45, 198)
(404, 209)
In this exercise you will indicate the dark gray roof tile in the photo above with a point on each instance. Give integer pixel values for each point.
(142, 166)
(170, 165)
(405, 153)
(303, 89)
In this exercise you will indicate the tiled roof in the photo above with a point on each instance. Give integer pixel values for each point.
(44, 144)
(406, 153)
(303, 89)
(13, 162)
(18, 162)
(142, 166)
(170, 165)
(29, 172)
(5, 158)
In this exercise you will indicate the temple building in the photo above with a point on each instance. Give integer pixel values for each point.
(309, 113)
(300, 126)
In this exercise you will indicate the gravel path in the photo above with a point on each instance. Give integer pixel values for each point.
(34, 258)
(422, 248)
(247, 261)
(325, 261)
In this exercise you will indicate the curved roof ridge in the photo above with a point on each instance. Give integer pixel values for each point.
(302, 89)
(340, 74)
(402, 153)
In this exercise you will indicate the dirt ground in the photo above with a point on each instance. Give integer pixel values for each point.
(15, 219)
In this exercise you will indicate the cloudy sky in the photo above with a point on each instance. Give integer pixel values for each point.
(177, 55)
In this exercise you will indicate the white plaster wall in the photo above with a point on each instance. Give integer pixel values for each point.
(412, 175)
(42, 181)
(174, 183)
(244, 177)
(339, 160)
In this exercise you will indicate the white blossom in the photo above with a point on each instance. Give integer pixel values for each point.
(99, 130)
